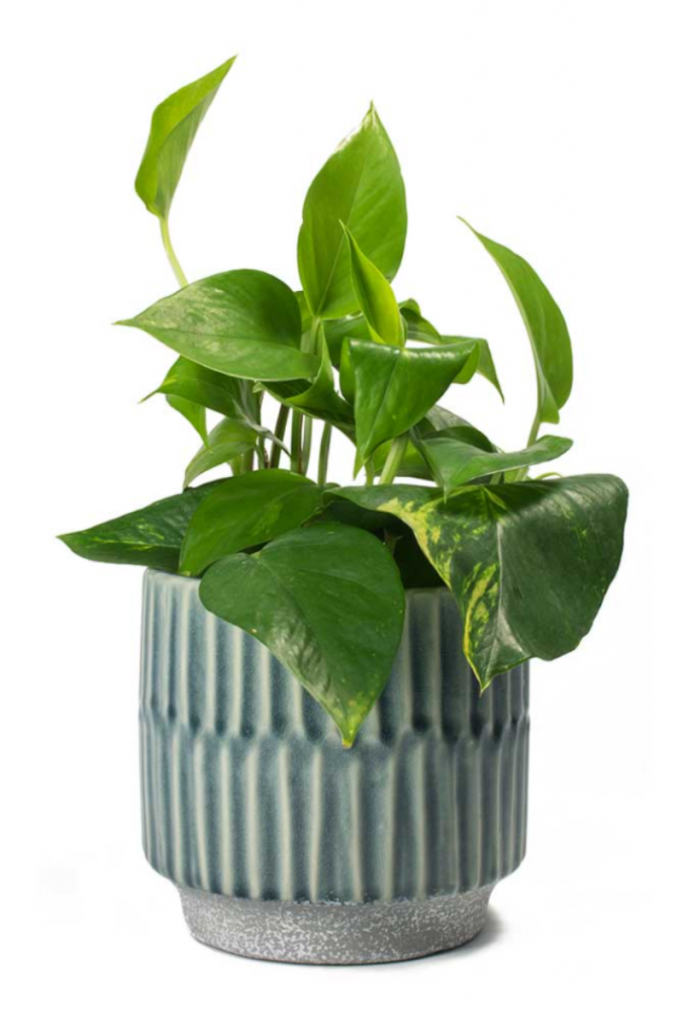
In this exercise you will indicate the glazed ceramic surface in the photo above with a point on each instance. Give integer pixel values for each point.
(249, 796)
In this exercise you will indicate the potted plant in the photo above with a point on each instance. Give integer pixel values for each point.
(334, 705)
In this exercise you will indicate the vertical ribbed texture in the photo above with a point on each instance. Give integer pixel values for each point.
(247, 790)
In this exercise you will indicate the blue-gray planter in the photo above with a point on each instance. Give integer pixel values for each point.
(284, 845)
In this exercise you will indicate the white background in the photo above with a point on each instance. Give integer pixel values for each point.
(555, 127)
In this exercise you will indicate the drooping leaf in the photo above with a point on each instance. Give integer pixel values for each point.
(375, 297)
(318, 398)
(227, 440)
(174, 126)
(455, 460)
(149, 536)
(361, 186)
(418, 328)
(244, 512)
(229, 396)
(328, 602)
(545, 326)
(396, 387)
(438, 422)
(243, 323)
(529, 563)
(193, 413)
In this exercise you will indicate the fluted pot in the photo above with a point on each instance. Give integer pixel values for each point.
(285, 846)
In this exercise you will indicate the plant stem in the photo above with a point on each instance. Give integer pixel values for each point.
(280, 427)
(535, 427)
(370, 472)
(170, 252)
(394, 459)
(295, 443)
(306, 445)
(261, 454)
(522, 474)
(301, 446)
(324, 456)
(236, 465)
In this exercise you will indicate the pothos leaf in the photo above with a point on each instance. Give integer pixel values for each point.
(243, 323)
(545, 326)
(375, 297)
(361, 186)
(244, 512)
(149, 536)
(396, 387)
(328, 602)
(174, 126)
(228, 440)
(529, 563)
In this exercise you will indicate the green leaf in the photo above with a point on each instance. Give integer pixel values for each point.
(375, 297)
(529, 563)
(150, 536)
(417, 327)
(328, 602)
(174, 126)
(319, 398)
(355, 327)
(244, 512)
(229, 396)
(545, 326)
(227, 440)
(396, 387)
(193, 413)
(361, 186)
(243, 323)
(455, 460)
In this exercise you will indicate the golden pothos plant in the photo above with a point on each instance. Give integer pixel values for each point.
(315, 571)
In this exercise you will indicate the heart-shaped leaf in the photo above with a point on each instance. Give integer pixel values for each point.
(174, 126)
(529, 563)
(227, 440)
(396, 387)
(545, 326)
(328, 602)
(375, 297)
(361, 186)
(243, 323)
(150, 536)
(455, 460)
(244, 512)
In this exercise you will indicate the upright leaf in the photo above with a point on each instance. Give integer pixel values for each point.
(529, 563)
(243, 323)
(396, 387)
(244, 512)
(228, 440)
(545, 326)
(174, 126)
(149, 536)
(328, 602)
(375, 297)
(361, 186)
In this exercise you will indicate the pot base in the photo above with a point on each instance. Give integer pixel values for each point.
(335, 933)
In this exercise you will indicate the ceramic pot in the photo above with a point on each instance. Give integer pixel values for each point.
(285, 846)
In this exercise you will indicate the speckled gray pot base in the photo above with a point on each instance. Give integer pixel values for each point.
(335, 933)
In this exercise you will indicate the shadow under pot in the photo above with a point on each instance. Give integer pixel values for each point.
(283, 845)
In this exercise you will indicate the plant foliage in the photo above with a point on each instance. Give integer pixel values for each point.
(317, 571)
